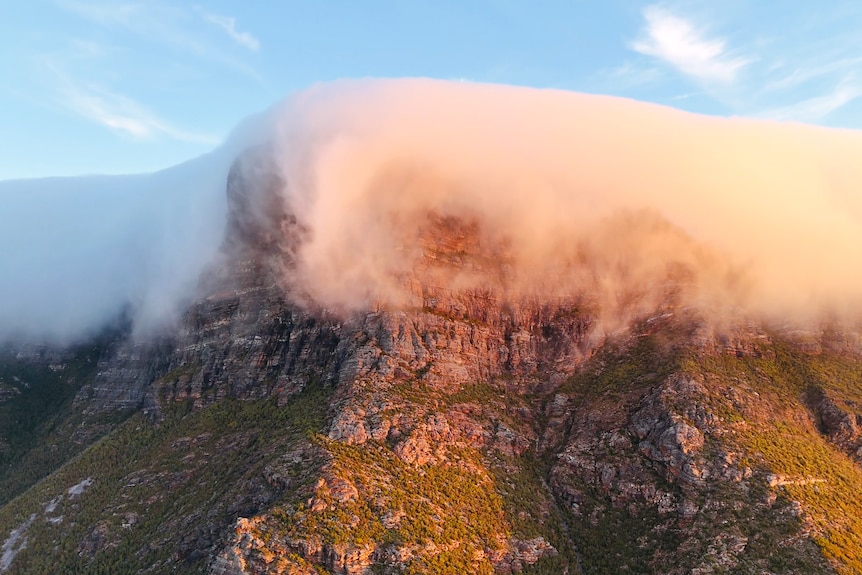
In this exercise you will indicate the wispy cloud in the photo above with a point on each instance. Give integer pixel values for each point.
(118, 112)
(104, 13)
(125, 115)
(154, 21)
(818, 107)
(810, 75)
(170, 25)
(681, 44)
(629, 75)
(228, 24)
(810, 70)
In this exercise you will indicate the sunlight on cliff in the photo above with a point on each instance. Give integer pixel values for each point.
(583, 195)
(587, 192)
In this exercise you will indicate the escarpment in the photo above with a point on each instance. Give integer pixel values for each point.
(473, 428)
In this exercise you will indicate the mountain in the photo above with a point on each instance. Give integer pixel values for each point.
(471, 429)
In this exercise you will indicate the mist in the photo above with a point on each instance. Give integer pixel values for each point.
(579, 194)
(584, 193)
(78, 253)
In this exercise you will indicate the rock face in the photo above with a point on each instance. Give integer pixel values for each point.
(242, 338)
(470, 430)
(396, 417)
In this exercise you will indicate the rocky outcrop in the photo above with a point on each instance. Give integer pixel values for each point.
(450, 386)
(838, 420)
(840, 425)
(469, 430)
(398, 377)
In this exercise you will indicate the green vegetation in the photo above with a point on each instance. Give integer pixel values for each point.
(780, 440)
(622, 367)
(37, 423)
(483, 393)
(530, 507)
(784, 440)
(437, 504)
(163, 492)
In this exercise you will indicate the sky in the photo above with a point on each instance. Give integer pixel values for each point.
(111, 87)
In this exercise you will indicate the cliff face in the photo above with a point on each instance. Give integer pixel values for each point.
(468, 431)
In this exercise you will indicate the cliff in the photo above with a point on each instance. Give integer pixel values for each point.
(470, 430)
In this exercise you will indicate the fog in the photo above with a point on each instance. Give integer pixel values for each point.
(79, 252)
(580, 193)
(586, 192)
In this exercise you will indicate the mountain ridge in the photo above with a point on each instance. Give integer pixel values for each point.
(468, 431)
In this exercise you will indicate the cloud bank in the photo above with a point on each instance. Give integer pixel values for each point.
(573, 192)
(580, 191)
(79, 252)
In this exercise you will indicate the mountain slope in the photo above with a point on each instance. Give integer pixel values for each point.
(470, 430)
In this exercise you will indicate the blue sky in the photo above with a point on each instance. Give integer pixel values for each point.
(95, 86)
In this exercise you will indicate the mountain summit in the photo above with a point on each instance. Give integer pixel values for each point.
(450, 397)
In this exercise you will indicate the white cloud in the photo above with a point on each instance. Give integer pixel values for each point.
(120, 113)
(228, 24)
(629, 75)
(679, 43)
(154, 21)
(814, 69)
(97, 246)
(168, 25)
(125, 115)
(817, 108)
